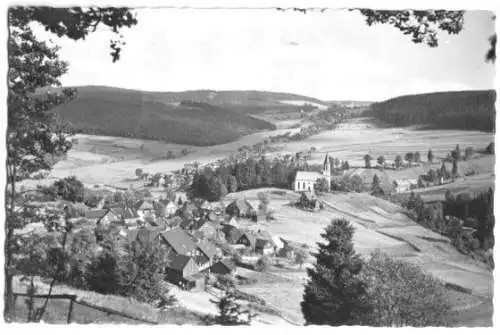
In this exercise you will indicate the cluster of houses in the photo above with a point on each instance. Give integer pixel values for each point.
(190, 231)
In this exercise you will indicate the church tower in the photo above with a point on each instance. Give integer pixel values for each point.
(327, 171)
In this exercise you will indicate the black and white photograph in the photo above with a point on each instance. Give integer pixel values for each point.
(274, 164)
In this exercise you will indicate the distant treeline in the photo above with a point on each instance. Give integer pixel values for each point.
(135, 115)
(467, 110)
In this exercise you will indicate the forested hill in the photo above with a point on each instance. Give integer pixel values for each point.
(467, 110)
(150, 115)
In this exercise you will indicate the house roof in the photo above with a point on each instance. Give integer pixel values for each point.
(179, 262)
(125, 213)
(251, 237)
(242, 204)
(207, 248)
(307, 176)
(179, 240)
(228, 264)
(233, 234)
(326, 161)
(143, 204)
(95, 213)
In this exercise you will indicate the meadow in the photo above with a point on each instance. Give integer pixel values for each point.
(379, 225)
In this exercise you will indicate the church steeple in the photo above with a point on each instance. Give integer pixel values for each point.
(327, 170)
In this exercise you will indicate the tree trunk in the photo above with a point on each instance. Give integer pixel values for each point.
(8, 296)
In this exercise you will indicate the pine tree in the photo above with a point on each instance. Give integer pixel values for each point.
(368, 161)
(430, 156)
(398, 160)
(334, 294)
(454, 171)
(376, 185)
(231, 313)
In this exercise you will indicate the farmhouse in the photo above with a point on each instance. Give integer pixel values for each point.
(165, 208)
(223, 267)
(240, 208)
(305, 180)
(181, 269)
(97, 216)
(144, 207)
(126, 215)
(404, 185)
(264, 243)
(179, 241)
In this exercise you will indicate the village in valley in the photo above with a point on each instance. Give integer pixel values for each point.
(246, 207)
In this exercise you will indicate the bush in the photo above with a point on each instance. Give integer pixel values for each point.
(402, 295)
(69, 188)
(263, 264)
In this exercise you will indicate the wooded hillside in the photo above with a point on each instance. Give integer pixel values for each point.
(136, 114)
(467, 110)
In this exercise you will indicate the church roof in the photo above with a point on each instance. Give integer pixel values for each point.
(326, 161)
(307, 176)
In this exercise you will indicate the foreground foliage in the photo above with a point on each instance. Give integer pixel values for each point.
(402, 295)
(334, 294)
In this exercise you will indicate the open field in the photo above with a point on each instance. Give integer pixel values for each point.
(113, 160)
(379, 225)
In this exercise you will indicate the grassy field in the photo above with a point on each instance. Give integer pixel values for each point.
(58, 309)
(379, 225)
(113, 160)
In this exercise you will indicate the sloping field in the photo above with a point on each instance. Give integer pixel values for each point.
(379, 225)
(357, 137)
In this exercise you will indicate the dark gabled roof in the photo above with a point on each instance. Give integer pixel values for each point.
(96, 213)
(228, 264)
(242, 204)
(326, 161)
(207, 248)
(179, 240)
(125, 213)
(261, 243)
(179, 262)
(250, 236)
(233, 234)
(144, 204)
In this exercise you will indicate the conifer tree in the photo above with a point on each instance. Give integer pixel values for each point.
(231, 313)
(334, 295)
(430, 156)
(454, 171)
(376, 184)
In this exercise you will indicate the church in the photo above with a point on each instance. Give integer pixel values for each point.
(305, 180)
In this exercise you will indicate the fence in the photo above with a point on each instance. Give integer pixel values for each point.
(73, 299)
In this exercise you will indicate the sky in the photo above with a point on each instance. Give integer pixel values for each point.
(330, 56)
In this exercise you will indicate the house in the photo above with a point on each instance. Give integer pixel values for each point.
(97, 216)
(232, 233)
(181, 268)
(264, 243)
(206, 257)
(143, 235)
(248, 239)
(404, 185)
(306, 180)
(240, 208)
(144, 208)
(223, 267)
(179, 241)
(165, 208)
(209, 229)
(126, 215)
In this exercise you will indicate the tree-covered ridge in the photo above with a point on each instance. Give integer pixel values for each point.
(146, 115)
(466, 110)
